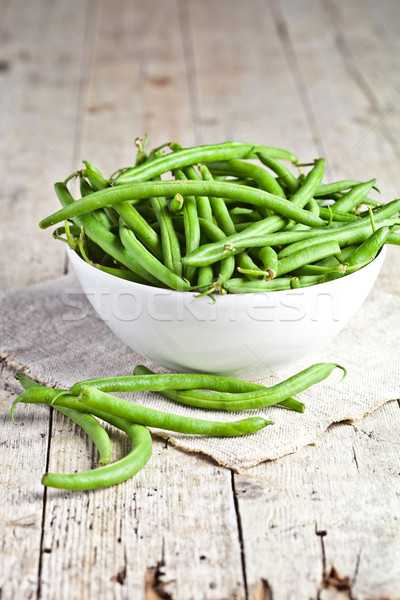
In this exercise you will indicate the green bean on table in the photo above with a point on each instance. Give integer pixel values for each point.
(93, 399)
(191, 397)
(107, 475)
(85, 421)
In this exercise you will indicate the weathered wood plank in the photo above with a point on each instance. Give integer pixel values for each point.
(244, 80)
(136, 83)
(38, 110)
(330, 506)
(23, 461)
(170, 530)
(386, 21)
(311, 515)
(352, 135)
(40, 81)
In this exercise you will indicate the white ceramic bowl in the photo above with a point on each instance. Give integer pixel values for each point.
(242, 334)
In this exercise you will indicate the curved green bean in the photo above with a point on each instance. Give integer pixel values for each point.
(104, 238)
(87, 422)
(91, 397)
(162, 381)
(199, 154)
(150, 189)
(110, 474)
(150, 262)
(354, 197)
(192, 397)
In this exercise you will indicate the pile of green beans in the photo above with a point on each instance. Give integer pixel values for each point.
(89, 399)
(207, 220)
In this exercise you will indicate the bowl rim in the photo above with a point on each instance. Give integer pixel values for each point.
(73, 255)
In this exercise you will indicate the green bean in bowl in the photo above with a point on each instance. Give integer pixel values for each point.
(212, 243)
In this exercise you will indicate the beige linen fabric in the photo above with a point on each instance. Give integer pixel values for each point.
(60, 342)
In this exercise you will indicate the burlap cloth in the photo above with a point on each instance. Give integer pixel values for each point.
(39, 337)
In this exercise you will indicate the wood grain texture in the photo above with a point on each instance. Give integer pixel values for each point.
(23, 461)
(353, 135)
(334, 508)
(82, 80)
(38, 111)
(257, 93)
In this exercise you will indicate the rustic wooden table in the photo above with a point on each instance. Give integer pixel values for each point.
(81, 79)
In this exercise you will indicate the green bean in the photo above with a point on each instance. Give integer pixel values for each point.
(313, 207)
(305, 193)
(190, 156)
(88, 423)
(267, 396)
(241, 215)
(150, 262)
(191, 226)
(213, 252)
(279, 169)
(242, 169)
(114, 473)
(255, 273)
(95, 177)
(139, 226)
(176, 203)
(110, 474)
(205, 278)
(343, 235)
(121, 273)
(95, 398)
(242, 226)
(163, 381)
(213, 232)
(141, 155)
(386, 211)
(269, 259)
(306, 256)
(224, 219)
(191, 397)
(149, 189)
(169, 240)
(368, 249)
(219, 209)
(295, 283)
(106, 240)
(394, 238)
(86, 189)
(203, 202)
(339, 269)
(336, 215)
(242, 286)
(338, 258)
(354, 197)
(327, 189)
